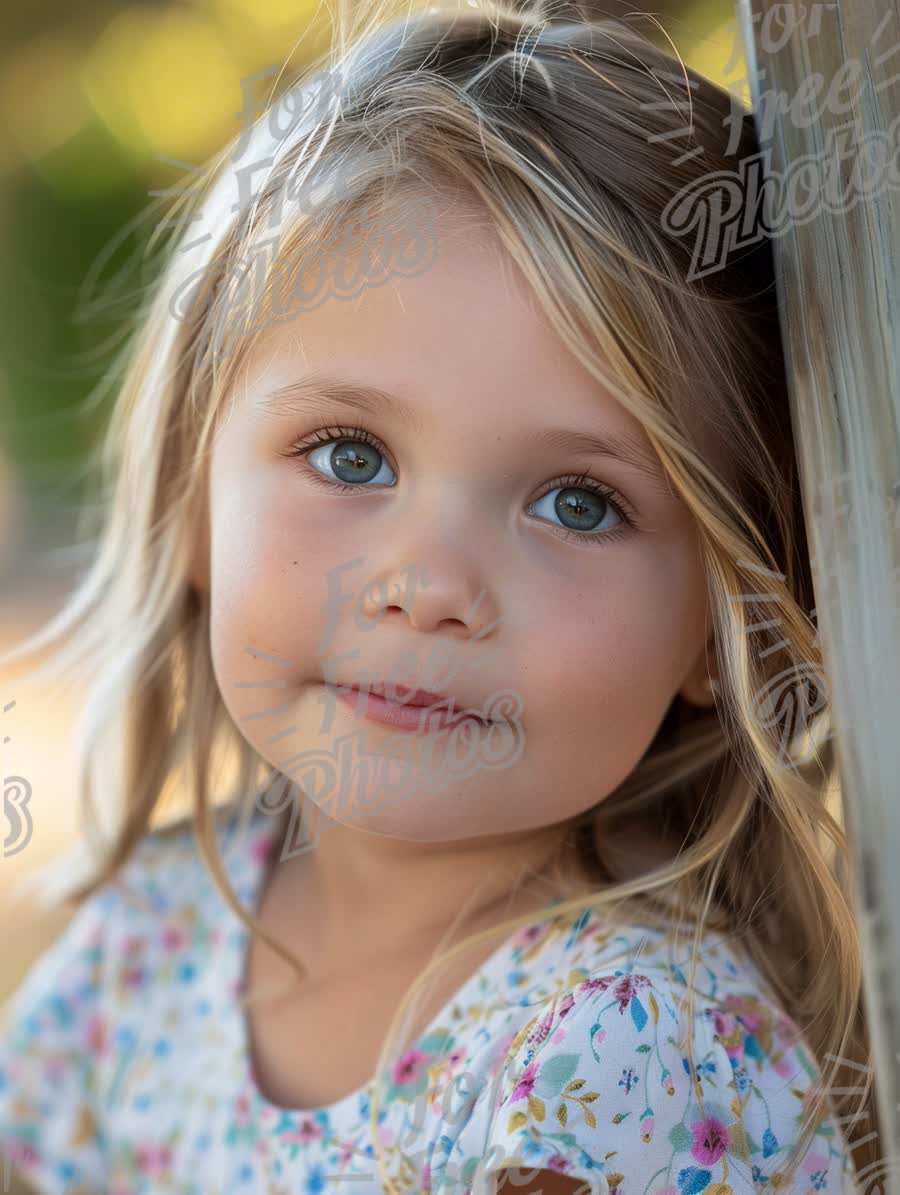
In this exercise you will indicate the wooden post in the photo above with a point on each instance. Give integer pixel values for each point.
(825, 82)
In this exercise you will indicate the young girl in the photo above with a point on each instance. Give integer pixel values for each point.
(455, 569)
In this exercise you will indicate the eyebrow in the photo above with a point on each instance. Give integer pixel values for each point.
(305, 396)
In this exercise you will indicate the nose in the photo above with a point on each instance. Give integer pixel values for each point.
(437, 601)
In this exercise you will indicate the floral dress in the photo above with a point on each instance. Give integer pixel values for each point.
(124, 1062)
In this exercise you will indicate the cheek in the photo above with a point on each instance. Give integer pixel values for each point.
(599, 678)
(269, 595)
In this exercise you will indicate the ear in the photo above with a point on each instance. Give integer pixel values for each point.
(699, 689)
(698, 686)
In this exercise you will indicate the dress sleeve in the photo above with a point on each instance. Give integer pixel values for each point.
(50, 1036)
(598, 1088)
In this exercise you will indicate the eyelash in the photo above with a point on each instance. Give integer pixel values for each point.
(302, 448)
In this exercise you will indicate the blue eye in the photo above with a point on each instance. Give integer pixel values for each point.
(353, 457)
(585, 502)
(347, 462)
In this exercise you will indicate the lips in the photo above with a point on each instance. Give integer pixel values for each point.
(405, 696)
(418, 698)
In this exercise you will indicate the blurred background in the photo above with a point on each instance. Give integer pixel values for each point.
(103, 106)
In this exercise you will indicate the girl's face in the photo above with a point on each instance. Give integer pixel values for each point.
(471, 552)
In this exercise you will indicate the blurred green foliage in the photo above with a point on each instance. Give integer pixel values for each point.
(99, 105)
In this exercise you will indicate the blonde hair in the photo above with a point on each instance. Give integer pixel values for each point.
(573, 136)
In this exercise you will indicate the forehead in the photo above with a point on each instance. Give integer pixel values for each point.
(377, 243)
(460, 322)
(449, 315)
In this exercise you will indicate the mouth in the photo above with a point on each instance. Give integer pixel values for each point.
(419, 698)
(419, 710)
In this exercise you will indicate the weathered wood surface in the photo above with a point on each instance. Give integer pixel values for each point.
(838, 284)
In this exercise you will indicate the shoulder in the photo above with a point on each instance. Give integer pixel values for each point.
(62, 1032)
(57, 1026)
(51, 1029)
(164, 882)
(167, 878)
(600, 1086)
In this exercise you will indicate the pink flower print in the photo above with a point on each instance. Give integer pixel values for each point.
(408, 1066)
(23, 1155)
(565, 1004)
(305, 1131)
(730, 1034)
(536, 1036)
(347, 1152)
(525, 1083)
(558, 1163)
(133, 944)
(173, 938)
(134, 977)
(782, 1066)
(788, 1037)
(599, 1036)
(628, 986)
(95, 1034)
(787, 1030)
(153, 1160)
(600, 984)
(309, 1129)
(528, 935)
(455, 1057)
(750, 1011)
(724, 1023)
(814, 1161)
(502, 1050)
(261, 847)
(710, 1140)
(242, 1111)
(647, 1130)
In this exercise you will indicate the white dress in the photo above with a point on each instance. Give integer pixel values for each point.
(124, 1062)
